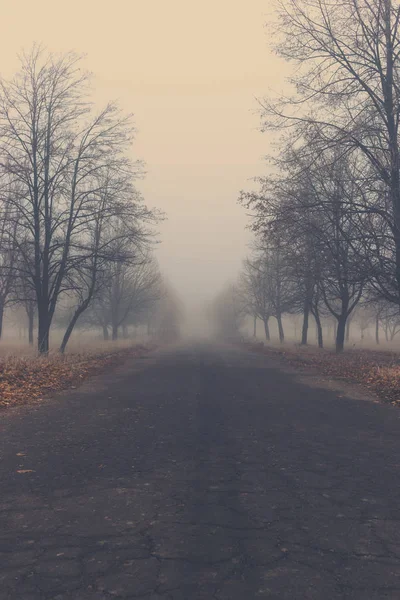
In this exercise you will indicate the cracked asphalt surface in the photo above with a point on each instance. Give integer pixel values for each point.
(203, 473)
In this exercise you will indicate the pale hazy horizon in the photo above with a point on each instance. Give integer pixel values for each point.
(190, 73)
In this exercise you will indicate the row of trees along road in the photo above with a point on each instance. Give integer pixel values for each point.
(327, 217)
(73, 227)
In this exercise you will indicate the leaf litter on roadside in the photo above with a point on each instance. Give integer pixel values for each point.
(28, 379)
(379, 371)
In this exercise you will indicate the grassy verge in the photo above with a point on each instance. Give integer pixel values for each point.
(378, 371)
(27, 379)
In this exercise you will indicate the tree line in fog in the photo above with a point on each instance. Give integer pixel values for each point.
(326, 216)
(76, 237)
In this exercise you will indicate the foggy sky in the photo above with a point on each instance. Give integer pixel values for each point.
(190, 72)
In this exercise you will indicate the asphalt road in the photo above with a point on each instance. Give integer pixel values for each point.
(201, 473)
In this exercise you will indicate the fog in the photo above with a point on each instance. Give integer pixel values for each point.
(190, 72)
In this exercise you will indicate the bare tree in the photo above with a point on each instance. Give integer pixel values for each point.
(168, 315)
(347, 83)
(282, 292)
(255, 290)
(129, 289)
(343, 277)
(58, 153)
(227, 313)
(314, 204)
(115, 237)
(8, 255)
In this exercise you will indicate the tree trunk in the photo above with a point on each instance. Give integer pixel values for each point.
(340, 333)
(392, 128)
(280, 328)
(68, 332)
(255, 327)
(320, 335)
(31, 316)
(266, 329)
(306, 315)
(1, 319)
(125, 332)
(106, 335)
(43, 331)
(386, 334)
(114, 332)
(377, 329)
(81, 309)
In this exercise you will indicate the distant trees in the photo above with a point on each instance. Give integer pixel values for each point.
(255, 290)
(227, 313)
(69, 211)
(129, 291)
(306, 212)
(8, 256)
(166, 316)
(275, 282)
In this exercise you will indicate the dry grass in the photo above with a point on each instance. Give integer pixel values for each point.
(26, 379)
(379, 371)
(78, 344)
